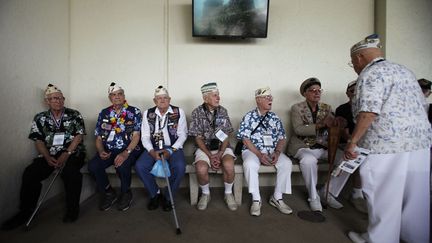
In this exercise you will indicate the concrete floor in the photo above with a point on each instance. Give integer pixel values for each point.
(216, 224)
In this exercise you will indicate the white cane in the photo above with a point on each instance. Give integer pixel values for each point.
(59, 170)
(169, 187)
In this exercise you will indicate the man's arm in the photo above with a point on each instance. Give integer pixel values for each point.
(264, 159)
(101, 149)
(70, 149)
(43, 150)
(181, 131)
(364, 120)
(278, 150)
(121, 157)
(201, 145)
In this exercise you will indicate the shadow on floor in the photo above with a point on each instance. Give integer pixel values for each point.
(216, 224)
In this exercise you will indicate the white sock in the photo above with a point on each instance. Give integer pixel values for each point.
(228, 188)
(357, 193)
(256, 196)
(277, 195)
(205, 189)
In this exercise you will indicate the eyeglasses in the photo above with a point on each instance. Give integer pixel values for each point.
(315, 90)
(160, 98)
(55, 98)
(267, 97)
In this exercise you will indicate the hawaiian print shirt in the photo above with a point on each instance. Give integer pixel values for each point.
(122, 125)
(202, 123)
(44, 128)
(271, 125)
(391, 92)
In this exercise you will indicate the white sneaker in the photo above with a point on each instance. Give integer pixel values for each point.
(356, 237)
(203, 201)
(280, 205)
(315, 204)
(230, 201)
(331, 201)
(359, 204)
(255, 209)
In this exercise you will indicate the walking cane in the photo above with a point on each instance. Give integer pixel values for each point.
(59, 170)
(169, 187)
(333, 141)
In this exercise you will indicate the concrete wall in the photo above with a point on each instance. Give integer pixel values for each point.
(146, 43)
(83, 45)
(34, 50)
(409, 38)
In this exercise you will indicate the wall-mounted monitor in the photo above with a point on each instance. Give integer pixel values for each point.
(230, 18)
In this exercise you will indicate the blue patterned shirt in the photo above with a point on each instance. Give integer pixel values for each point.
(391, 91)
(271, 125)
(127, 121)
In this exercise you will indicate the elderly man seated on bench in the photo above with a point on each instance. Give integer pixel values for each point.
(310, 120)
(263, 135)
(211, 127)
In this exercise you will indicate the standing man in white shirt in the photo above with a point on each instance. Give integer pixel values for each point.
(391, 121)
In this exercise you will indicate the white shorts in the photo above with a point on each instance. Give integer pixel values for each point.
(201, 156)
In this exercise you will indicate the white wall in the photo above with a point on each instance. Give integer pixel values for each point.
(409, 38)
(34, 50)
(146, 43)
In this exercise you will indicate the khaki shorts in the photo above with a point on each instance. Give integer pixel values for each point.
(201, 156)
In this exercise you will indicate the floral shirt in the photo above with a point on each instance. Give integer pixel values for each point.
(391, 92)
(202, 123)
(44, 128)
(271, 126)
(116, 129)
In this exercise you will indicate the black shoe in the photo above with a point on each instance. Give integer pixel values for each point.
(125, 201)
(71, 216)
(16, 221)
(154, 202)
(166, 205)
(108, 199)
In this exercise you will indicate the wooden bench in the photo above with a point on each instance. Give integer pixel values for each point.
(238, 180)
(193, 182)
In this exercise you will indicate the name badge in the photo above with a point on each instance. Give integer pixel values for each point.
(58, 139)
(268, 141)
(111, 136)
(221, 135)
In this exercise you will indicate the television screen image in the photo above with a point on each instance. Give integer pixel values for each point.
(230, 18)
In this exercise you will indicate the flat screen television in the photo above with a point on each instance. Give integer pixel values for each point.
(230, 18)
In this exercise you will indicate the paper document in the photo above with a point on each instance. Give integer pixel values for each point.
(351, 165)
(341, 173)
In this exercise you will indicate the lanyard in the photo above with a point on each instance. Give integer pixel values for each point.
(208, 113)
(163, 122)
(57, 123)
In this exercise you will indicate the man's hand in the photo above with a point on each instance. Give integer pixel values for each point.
(215, 161)
(349, 152)
(275, 157)
(120, 158)
(104, 155)
(154, 154)
(51, 161)
(61, 160)
(265, 159)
